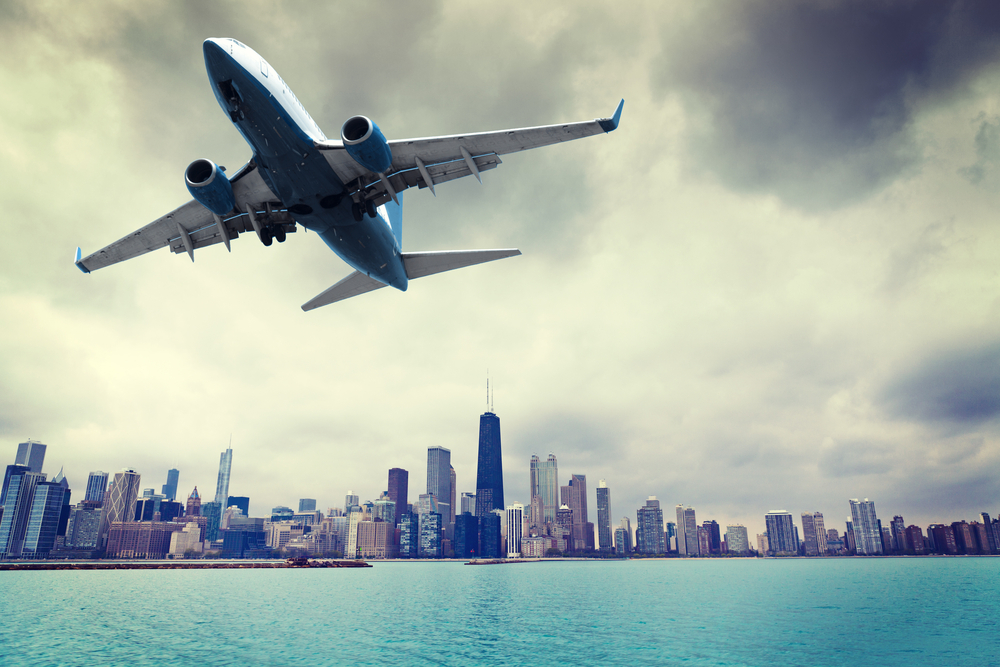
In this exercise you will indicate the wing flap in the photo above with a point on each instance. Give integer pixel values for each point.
(353, 285)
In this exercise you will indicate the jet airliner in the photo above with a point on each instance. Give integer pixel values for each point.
(350, 192)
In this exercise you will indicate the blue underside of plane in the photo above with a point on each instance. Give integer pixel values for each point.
(302, 178)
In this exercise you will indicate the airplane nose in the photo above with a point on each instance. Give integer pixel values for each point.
(217, 58)
(212, 44)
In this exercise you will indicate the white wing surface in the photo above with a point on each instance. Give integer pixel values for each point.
(429, 161)
(193, 226)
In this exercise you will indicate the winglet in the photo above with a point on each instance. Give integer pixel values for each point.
(611, 124)
(80, 266)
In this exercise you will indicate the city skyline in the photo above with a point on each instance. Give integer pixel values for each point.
(771, 291)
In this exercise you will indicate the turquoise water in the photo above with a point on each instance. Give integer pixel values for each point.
(703, 612)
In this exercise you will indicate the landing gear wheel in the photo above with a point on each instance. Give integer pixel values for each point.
(370, 208)
(357, 212)
(266, 236)
(279, 234)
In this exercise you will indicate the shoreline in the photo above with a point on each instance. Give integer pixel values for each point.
(42, 565)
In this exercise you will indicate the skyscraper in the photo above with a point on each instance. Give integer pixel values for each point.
(222, 486)
(466, 535)
(574, 496)
(243, 502)
(385, 510)
(867, 533)
(810, 535)
(307, 504)
(194, 503)
(490, 539)
(169, 489)
(12, 469)
(97, 486)
(898, 527)
(649, 535)
(623, 537)
(820, 533)
(454, 495)
(439, 484)
(397, 490)
(43, 521)
(714, 537)
(604, 516)
(430, 535)
(687, 531)
(780, 533)
(350, 500)
(409, 535)
(469, 503)
(737, 540)
(119, 501)
(17, 509)
(31, 454)
(489, 472)
(544, 481)
(515, 523)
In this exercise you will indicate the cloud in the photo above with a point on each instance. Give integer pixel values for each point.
(814, 101)
(957, 388)
(987, 144)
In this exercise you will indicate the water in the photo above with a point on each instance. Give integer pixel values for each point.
(700, 612)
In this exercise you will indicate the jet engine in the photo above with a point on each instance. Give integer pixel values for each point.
(209, 186)
(366, 144)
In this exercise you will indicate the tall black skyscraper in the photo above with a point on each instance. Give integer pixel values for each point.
(489, 475)
(604, 516)
(398, 483)
(170, 488)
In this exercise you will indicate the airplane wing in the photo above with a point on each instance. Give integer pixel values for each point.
(193, 226)
(434, 160)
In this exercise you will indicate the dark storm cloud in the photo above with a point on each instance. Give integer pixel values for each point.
(958, 389)
(812, 101)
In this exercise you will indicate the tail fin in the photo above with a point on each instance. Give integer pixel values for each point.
(394, 212)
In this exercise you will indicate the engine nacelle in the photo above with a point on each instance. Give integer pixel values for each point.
(366, 144)
(209, 186)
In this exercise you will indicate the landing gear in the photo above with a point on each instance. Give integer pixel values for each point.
(370, 208)
(357, 212)
(270, 233)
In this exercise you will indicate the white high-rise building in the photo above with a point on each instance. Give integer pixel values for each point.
(515, 527)
(867, 536)
(737, 539)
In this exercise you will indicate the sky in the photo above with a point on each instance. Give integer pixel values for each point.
(775, 286)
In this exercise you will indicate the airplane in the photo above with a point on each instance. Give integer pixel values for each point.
(350, 192)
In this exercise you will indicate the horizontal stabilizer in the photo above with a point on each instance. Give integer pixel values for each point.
(353, 285)
(420, 264)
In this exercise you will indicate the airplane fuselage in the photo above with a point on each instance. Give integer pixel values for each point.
(282, 136)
